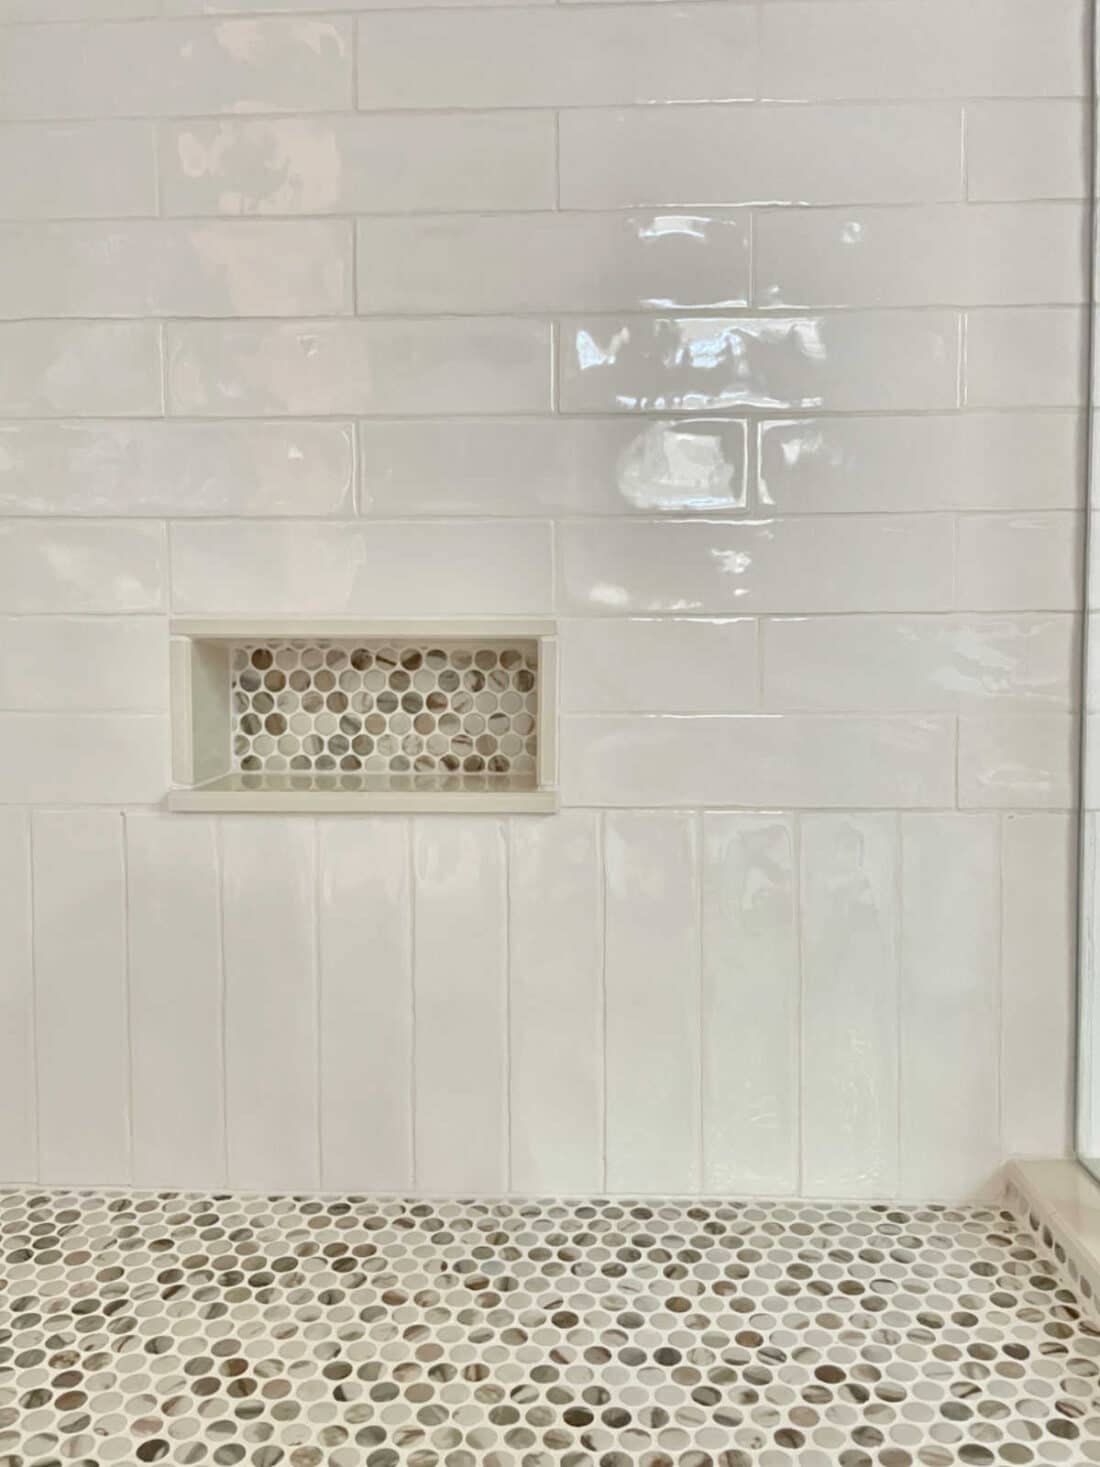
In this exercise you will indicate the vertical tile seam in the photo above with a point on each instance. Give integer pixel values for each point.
(601, 817)
(410, 876)
(797, 817)
(318, 1002)
(998, 996)
(557, 158)
(127, 989)
(899, 1002)
(36, 1083)
(223, 993)
(700, 990)
(503, 828)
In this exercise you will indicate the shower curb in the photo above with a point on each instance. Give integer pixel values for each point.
(1059, 1204)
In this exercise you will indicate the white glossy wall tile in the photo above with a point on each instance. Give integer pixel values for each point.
(849, 1016)
(269, 944)
(176, 993)
(556, 1003)
(653, 976)
(751, 1004)
(460, 940)
(746, 339)
(18, 1135)
(951, 895)
(1038, 922)
(82, 1036)
(365, 944)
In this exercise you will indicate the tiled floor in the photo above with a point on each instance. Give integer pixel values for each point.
(359, 1333)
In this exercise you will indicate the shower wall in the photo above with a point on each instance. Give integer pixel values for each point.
(772, 396)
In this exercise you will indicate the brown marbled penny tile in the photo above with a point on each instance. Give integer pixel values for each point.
(356, 1332)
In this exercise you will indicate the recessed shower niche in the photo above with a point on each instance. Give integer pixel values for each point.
(412, 716)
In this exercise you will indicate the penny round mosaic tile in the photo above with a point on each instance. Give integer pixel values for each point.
(361, 1333)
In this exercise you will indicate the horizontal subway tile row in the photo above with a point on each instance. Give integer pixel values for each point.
(516, 56)
(848, 760)
(845, 1090)
(446, 162)
(545, 467)
(815, 761)
(800, 564)
(1013, 357)
(970, 254)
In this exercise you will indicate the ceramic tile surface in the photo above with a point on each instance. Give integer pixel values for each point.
(198, 1328)
(743, 338)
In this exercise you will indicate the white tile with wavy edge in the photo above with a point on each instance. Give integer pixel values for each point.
(950, 1062)
(1032, 149)
(81, 567)
(555, 943)
(92, 665)
(14, 11)
(552, 466)
(83, 758)
(456, 568)
(175, 996)
(556, 56)
(236, 267)
(94, 170)
(1023, 761)
(175, 468)
(472, 263)
(849, 1028)
(1026, 357)
(252, 7)
(804, 564)
(366, 1002)
(658, 665)
(942, 254)
(926, 664)
(95, 368)
(748, 761)
(652, 967)
(18, 1150)
(1037, 936)
(695, 156)
(269, 887)
(358, 164)
(959, 461)
(81, 1034)
(461, 981)
(922, 48)
(317, 367)
(714, 364)
(751, 996)
(1030, 561)
(162, 68)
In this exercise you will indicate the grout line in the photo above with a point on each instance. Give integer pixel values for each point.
(899, 1003)
(505, 837)
(318, 1001)
(36, 1077)
(127, 983)
(999, 982)
(702, 1070)
(798, 916)
(601, 842)
(411, 826)
(218, 829)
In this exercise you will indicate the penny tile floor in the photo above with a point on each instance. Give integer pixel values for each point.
(357, 1332)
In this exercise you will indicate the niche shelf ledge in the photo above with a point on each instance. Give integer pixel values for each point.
(340, 716)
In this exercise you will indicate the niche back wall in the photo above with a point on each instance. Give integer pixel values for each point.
(745, 338)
